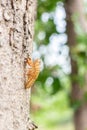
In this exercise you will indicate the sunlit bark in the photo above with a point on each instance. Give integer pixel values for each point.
(16, 36)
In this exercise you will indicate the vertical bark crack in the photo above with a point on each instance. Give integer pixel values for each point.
(26, 31)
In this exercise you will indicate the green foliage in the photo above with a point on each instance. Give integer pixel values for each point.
(43, 32)
(56, 85)
(79, 52)
(53, 85)
(85, 96)
(48, 27)
(53, 111)
(76, 104)
(48, 72)
(46, 6)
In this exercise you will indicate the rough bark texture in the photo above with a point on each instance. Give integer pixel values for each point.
(80, 115)
(16, 36)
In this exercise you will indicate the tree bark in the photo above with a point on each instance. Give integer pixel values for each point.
(80, 115)
(16, 37)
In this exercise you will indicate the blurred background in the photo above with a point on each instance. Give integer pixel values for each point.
(59, 96)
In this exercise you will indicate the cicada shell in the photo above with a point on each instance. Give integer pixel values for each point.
(33, 72)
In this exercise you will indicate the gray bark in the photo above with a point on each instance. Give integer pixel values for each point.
(16, 37)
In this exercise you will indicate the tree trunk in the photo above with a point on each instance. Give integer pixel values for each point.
(16, 36)
(80, 115)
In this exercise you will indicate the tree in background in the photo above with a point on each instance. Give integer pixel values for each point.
(78, 91)
(16, 36)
